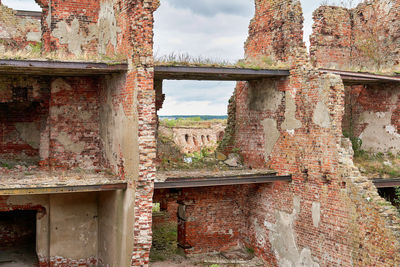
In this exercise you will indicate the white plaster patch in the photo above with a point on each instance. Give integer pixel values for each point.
(34, 36)
(316, 213)
(290, 122)
(107, 28)
(321, 115)
(70, 35)
(260, 233)
(379, 135)
(59, 85)
(392, 130)
(69, 145)
(283, 240)
(290, 132)
(271, 136)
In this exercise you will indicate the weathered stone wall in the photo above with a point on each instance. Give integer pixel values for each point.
(372, 114)
(365, 37)
(191, 139)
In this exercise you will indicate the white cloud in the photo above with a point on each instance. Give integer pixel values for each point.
(22, 4)
(174, 107)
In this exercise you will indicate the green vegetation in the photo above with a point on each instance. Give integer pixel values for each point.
(164, 244)
(156, 207)
(378, 165)
(374, 165)
(262, 62)
(185, 59)
(356, 143)
(396, 200)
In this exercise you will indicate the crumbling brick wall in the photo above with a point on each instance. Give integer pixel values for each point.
(372, 114)
(329, 209)
(275, 29)
(51, 121)
(365, 37)
(17, 33)
(24, 109)
(332, 38)
(211, 219)
(74, 130)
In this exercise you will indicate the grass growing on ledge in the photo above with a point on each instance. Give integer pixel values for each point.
(193, 122)
(34, 52)
(378, 165)
(186, 60)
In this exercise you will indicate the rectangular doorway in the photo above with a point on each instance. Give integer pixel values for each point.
(18, 238)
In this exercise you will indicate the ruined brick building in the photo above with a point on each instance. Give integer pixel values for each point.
(78, 137)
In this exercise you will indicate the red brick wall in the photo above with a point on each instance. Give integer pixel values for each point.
(324, 216)
(379, 99)
(74, 123)
(332, 38)
(249, 132)
(17, 33)
(311, 152)
(56, 11)
(136, 41)
(272, 33)
(24, 105)
(211, 219)
(168, 200)
(364, 37)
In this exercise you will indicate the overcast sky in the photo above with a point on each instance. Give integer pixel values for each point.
(208, 28)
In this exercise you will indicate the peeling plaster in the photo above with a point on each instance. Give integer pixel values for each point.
(321, 115)
(107, 28)
(271, 136)
(69, 145)
(290, 122)
(316, 213)
(59, 85)
(34, 36)
(70, 35)
(105, 31)
(29, 132)
(283, 240)
(379, 135)
(264, 96)
(118, 131)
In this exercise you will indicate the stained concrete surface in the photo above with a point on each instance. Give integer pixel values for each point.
(18, 257)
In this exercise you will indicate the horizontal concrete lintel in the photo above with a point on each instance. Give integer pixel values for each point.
(62, 189)
(362, 77)
(214, 73)
(52, 68)
(205, 182)
(385, 182)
